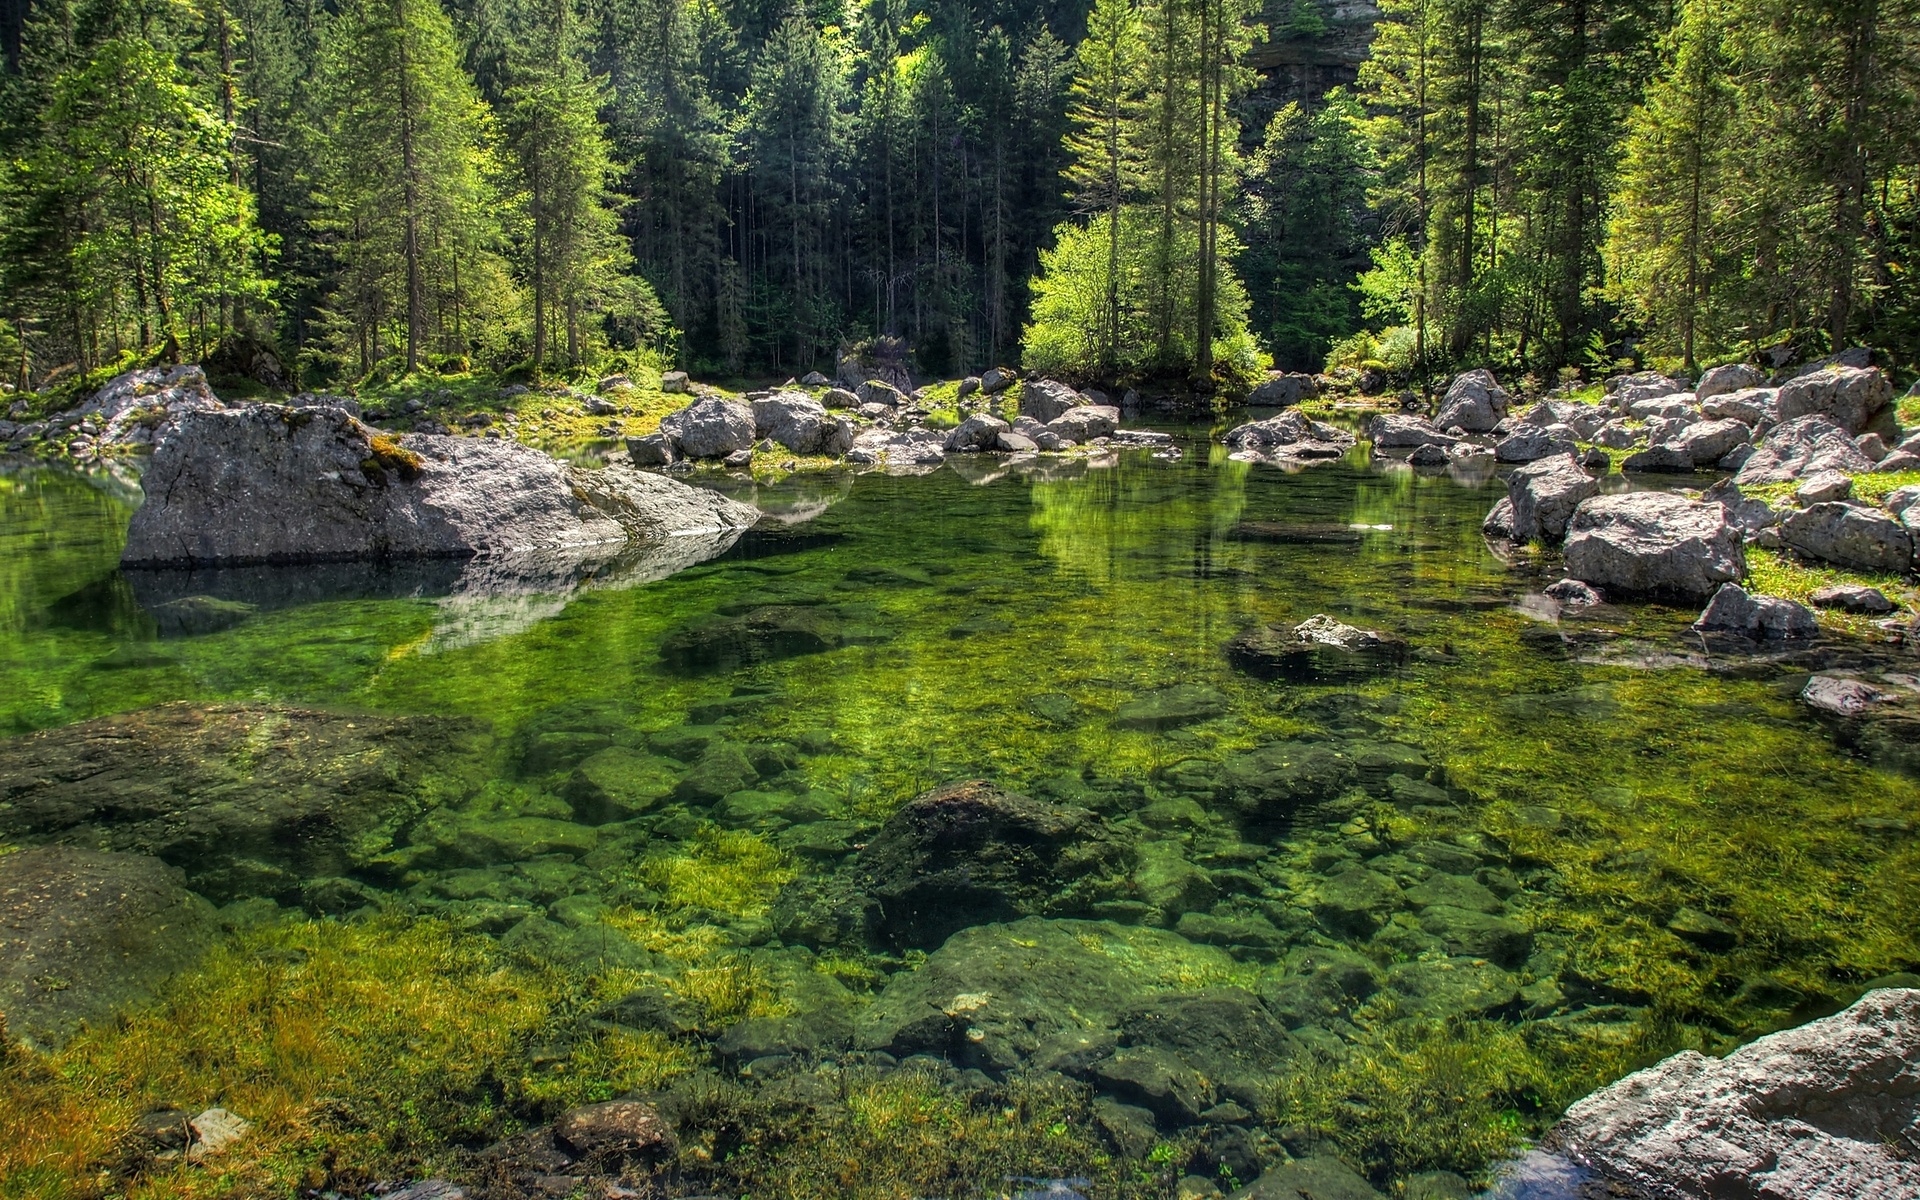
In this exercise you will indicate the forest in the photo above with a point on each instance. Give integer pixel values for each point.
(328, 192)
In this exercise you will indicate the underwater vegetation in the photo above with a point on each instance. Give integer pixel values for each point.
(651, 842)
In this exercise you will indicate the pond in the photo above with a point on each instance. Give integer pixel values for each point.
(468, 855)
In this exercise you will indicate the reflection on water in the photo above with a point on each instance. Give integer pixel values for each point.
(1399, 914)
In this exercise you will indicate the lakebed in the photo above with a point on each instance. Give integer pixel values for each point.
(482, 852)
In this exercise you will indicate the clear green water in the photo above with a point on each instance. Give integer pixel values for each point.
(1598, 788)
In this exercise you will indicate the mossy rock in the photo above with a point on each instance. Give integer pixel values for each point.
(616, 784)
(994, 995)
(969, 853)
(1170, 707)
(238, 796)
(1453, 987)
(84, 934)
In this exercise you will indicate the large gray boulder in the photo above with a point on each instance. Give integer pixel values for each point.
(1855, 398)
(1800, 446)
(1654, 542)
(1085, 422)
(84, 933)
(1046, 399)
(1735, 610)
(801, 424)
(1826, 1111)
(1731, 378)
(1280, 390)
(1475, 402)
(710, 428)
(978, 432)
(1627, 390)
(1394, 431)
(1544, 495)
(1708, 442)
(268, 484)
(1751, 406)
(1530, 443)
(1850, 536)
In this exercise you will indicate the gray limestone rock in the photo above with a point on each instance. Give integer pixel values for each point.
(1826, 1111)
(1856, 398)
(801, 424)
(1475, 402)
(1045, 399)
(267, 484)
(1085, 422)
(710, 428)
(1850, 536)
(1653, 542)
(1733, 377)
(1734, 610)
(1395, 431)
(1801, 446)
(1544, 495)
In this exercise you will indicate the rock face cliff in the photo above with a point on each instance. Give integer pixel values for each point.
(267, 484)
(1314, 46)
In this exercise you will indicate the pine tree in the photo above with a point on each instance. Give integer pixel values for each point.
(563, 164)
(403, 191)
(1109, 97)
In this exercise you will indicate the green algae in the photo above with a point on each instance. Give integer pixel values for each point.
(1619, 795)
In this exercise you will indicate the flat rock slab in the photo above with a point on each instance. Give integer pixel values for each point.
(83, 933)
(1826, 1111)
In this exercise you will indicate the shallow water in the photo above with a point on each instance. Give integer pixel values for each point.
(1565, 846)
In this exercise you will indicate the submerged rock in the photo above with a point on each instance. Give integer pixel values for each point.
(968, 853)
(761, 635)
(1831, 1108)
(1319, 648)
(248, 800)
(1042, 991)
(1170, 707)
(85, 933)
(1653, 542)
(268, 484)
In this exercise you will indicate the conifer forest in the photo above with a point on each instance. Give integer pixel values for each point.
(1173, 190)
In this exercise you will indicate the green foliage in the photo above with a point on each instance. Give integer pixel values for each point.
(1306, 229)
(1073, 290)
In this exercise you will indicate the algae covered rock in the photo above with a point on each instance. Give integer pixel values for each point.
(1268, 782)
(246, 799)
(1318, 649)
(969, 853)
(762, 635)
(996, 996)
(83, 933)
(1170, 707)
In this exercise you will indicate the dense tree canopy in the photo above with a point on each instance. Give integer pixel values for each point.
(1101, 189)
